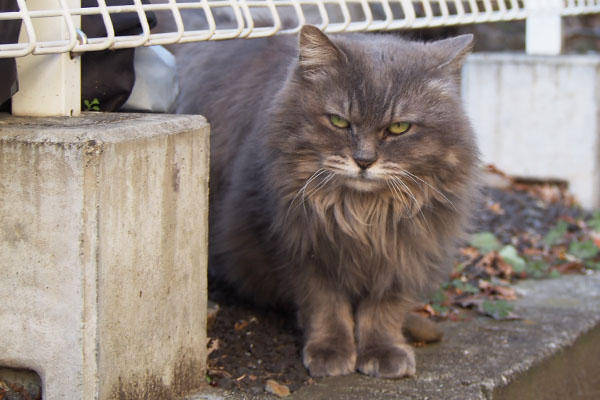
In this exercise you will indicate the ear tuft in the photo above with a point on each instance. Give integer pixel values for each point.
(317, 51)
(453, 51)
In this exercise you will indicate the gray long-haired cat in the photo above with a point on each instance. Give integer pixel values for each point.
(342, 175)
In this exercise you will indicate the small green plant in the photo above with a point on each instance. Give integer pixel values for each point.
(539, 269)
(94, 105)
(556, 234)
(594, 223)
(583, 250)
(464, 287)
(485, 242)
(511, 256)
(437, 299)
(593, 265)
(497, 309)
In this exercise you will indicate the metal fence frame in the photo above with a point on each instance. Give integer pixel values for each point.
(51, 34)
(414, 14)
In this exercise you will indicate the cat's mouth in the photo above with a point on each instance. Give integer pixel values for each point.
(362, 182)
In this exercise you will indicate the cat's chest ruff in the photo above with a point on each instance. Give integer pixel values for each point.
(358, 227)
(357, 216)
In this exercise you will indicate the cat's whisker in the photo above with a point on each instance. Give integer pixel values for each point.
(314, 190)
(411, 175)
(407, 189)
(302, 190)
(419, 185)
(395, 192)
(321, 184)
(399, 181)
(400, 194)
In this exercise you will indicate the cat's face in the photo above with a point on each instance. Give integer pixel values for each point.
(376, 113)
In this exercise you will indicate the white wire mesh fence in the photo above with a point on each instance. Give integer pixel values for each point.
(198, 20)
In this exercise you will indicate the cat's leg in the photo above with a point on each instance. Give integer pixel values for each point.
(326, 317)
(382, 349)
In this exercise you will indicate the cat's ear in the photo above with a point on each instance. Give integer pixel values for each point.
(317, 51)
(453, 51)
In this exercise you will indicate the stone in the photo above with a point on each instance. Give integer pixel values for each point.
(212, 309)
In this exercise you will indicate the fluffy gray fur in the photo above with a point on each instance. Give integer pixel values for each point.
(348, 225)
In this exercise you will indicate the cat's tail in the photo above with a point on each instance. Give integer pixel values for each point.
(421, 329)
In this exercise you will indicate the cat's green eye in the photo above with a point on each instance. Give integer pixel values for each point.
(338, 121)
(398, 128)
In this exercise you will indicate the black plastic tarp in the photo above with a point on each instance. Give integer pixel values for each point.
(9, 33)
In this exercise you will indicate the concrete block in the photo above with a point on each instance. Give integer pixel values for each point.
(103, 245)
(538, 117)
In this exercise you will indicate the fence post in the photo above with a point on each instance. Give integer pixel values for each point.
(49, 84)
(543, 27)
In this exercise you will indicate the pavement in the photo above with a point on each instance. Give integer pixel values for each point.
(553, 352)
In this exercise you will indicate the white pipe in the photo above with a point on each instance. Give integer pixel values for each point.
(50, 84)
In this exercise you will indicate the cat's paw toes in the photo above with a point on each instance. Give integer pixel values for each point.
(329, 359)
(393, 361)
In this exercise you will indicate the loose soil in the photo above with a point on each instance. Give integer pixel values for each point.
(250, 346)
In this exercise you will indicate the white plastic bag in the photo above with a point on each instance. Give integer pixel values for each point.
(156, 87)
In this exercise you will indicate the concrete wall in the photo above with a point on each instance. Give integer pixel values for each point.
(537, 117)
(103, 239)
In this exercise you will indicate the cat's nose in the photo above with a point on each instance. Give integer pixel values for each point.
(364, 161)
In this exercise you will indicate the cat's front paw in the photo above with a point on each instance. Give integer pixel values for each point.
(390, 361)
(329, 359)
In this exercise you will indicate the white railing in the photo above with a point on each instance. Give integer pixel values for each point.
(277, 17)
(51, 36)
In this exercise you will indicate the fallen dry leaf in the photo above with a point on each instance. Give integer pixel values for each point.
(596, 238)
(277, 388)
(424, 310)
(548, 192)
(241, 324)
(532, 251)
(487, 262)
(504, 268)
(493, 177)
(496, 208)
(468, 302)
(505, 292)
(213, 344)
(570, 267)
(218, 371)
(470, 252)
